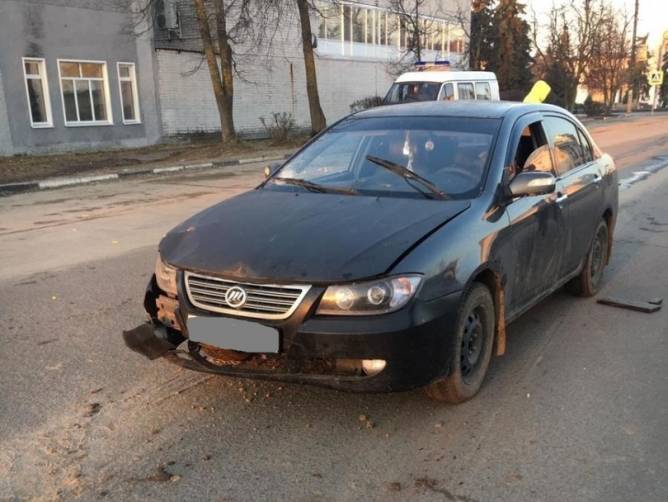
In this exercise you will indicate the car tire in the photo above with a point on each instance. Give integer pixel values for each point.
(471, 348)
(589, 281)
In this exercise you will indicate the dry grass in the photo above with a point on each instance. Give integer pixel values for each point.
(32, 167)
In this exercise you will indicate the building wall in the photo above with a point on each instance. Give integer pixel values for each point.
(271, 77)
(188, 104)
(5, 137)
(73, 29)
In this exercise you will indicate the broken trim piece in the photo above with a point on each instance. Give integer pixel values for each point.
(648, 307)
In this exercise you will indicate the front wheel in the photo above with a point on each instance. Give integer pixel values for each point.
(589, 281)
(471, 348)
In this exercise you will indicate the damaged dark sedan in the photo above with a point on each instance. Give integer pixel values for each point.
(390, 252)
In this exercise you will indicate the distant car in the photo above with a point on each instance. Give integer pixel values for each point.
(435, 85)
(388, 253)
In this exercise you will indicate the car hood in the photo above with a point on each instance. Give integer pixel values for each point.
(277, 236)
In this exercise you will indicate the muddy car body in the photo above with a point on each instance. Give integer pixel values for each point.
(349, 269)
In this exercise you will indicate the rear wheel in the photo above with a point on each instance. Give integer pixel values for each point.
(471, 348)
(589, 281)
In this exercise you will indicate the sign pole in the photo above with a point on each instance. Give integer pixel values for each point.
(659, 64)
(656, 87)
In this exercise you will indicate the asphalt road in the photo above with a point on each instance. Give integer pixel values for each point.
(576, 410)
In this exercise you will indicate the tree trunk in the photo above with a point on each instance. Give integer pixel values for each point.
(318, 122)
(224, 107)
(227, 119)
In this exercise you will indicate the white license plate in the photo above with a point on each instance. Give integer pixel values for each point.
(233, 334)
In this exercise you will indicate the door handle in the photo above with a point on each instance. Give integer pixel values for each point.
(561, 197)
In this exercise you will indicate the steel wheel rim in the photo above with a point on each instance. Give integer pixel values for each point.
(597, 258)
(473, 338)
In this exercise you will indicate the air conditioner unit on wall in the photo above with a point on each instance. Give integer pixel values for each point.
(168, 17)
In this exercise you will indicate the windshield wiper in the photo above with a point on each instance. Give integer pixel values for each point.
(409, 176)
(315, 187)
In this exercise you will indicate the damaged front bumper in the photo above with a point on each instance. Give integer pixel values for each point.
(413, 342)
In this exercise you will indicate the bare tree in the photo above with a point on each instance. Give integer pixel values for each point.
(606, 71)
(573, 30)
(318, 122)
(414, 21)
(221, 79)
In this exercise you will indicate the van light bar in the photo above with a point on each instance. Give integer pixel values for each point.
(425, 65)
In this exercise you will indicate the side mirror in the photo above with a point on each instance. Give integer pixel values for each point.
(532, 183)
(270, 170)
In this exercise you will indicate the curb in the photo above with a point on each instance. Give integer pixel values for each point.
(61, 182)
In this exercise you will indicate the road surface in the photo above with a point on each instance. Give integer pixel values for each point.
(576, 410)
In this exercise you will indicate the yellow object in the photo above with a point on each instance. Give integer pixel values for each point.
(539, 92)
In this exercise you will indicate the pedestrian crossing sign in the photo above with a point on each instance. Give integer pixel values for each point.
(655, 77)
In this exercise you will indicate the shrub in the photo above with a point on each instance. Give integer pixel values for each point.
(280, 126)
(365, 103)
(592, 107)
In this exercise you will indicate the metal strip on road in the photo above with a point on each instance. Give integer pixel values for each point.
(644, 173)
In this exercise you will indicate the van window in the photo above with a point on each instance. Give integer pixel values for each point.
(465, 90)
(448, 92)
(483, 91)
(406, 92)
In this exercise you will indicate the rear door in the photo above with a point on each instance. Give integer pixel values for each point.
(579, 191)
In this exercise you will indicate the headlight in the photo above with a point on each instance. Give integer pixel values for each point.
(369, 298)
(165, 276)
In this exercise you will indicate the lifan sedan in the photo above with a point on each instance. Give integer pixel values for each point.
(390, 252)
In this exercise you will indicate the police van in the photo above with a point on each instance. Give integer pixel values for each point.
(434, 81)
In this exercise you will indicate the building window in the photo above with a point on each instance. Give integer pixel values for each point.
(127, 81)
(352, 29)
(85, 92)
(37, 91)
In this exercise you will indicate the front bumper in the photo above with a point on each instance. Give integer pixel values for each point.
(414, 341)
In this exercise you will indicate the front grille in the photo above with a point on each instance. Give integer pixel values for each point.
(265, 301)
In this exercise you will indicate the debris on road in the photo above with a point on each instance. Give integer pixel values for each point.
(648, 307)
(394, 486)
(366, 421)
(92, 409)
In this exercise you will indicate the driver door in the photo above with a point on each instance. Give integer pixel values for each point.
(537, 223)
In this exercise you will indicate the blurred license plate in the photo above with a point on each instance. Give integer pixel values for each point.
(233, 334)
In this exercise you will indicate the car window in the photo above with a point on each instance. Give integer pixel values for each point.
(586, 147)
(332, 158)
(450, 152)
(448, 92)
(483, 91)
(532, 152)
(465, 90)
(406, 92)
(563, 135)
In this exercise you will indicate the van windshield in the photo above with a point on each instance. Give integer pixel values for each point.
(407, 92)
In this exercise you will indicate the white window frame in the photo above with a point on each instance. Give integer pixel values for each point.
(45, 89)
(135, 94)
(107, 97)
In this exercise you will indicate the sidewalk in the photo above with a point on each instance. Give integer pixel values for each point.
(159, 167)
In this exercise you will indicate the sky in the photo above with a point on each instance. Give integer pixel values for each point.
(652, 16)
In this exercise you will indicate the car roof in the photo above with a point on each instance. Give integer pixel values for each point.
(444, 76)
(471, 109)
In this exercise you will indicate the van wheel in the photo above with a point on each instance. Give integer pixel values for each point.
(471, 348)
(589, 281)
